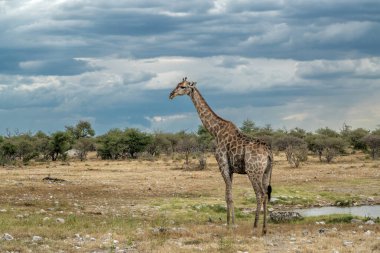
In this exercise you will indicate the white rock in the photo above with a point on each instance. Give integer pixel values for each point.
(356, 221)
(36, 238)
(7, 237)
(347, 243)
(370, 222)
(60, 220)
(368, 233)
(3, 210)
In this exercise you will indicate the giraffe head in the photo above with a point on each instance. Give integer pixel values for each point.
(183, 88)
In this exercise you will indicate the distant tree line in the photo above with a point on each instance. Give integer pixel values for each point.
(132, 143)
(324, 142)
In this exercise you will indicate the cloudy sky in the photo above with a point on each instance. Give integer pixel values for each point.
(295, 63)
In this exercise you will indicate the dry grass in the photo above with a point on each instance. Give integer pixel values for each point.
(152, 206)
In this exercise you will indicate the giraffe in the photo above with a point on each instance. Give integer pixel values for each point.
(235, 153)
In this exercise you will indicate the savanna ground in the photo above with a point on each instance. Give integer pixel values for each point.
(154, 206)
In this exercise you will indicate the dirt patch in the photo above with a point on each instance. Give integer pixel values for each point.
(53, 180)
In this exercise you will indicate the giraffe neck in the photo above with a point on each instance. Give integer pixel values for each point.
(211, 121)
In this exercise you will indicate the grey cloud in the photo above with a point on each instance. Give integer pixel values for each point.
(254, 6)
(59, 67)
(133, 78)
(337, 10)
(368, 68)
(295, 29)
(232, 62)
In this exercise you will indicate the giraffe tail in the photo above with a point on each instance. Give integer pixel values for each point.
(269, 191)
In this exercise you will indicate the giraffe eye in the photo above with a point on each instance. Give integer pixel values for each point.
(182, 87)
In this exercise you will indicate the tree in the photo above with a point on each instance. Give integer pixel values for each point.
(327, 132)
(205, 140)
(118, 144)
(373, 143)
(267, 130)
(41, 144)
(295, 149)
(345, 131)
(25, 147)
(82, 129)
(136, 141)
(59, 144)
(315, 144)
(160, 143)
(249, 127)
(376, 131)
(355, 138)
(111, 146)
(326, 143)
(298, 132)
(187, 145)
(331, 147)
(8, 152)
(83, 146)
(174, 140)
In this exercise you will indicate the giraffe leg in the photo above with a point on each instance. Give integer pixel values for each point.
(258, 209)
(267, 189)
(222, 160)
(259, 199)
(265, 201)
(229, 200)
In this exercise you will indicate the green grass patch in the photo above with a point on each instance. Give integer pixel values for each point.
(210, 208)
(328, 219)
(294, 195)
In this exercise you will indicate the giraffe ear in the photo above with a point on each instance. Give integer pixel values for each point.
(193, 83)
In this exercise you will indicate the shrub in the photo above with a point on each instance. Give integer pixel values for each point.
(295, 149)
(118, 144)
(373, 143)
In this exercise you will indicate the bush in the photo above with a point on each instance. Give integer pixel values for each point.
(295, 149)
(373, 143)
(59, 143)
(118, 144)
(8, 152)
(25, 147)
(326, 145)
(187, 145)
(83, 145)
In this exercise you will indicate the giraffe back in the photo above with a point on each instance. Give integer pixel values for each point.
(241, 149)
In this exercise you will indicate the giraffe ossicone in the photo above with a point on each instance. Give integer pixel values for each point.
(235, 153)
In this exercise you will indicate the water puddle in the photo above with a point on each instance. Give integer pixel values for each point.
(364, 211)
